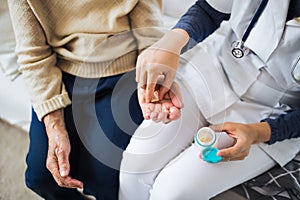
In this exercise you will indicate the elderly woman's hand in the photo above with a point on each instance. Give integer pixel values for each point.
(58, 150)
(245, 135)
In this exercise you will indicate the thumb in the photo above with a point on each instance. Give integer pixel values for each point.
(225, 152)
(231, 151)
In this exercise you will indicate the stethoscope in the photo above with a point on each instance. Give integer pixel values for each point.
(238, 48)
(296, 71)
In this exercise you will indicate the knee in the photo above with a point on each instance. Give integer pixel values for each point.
(127, 182)
(38, 181)
(167, 192)
(135, 186)
(174, 190)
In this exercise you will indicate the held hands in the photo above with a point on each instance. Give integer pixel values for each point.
(158, 64)
(58, 150)
(245, 135)
(165, 110)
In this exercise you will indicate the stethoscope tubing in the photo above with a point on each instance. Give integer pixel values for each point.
(238, 49)
(294, 76)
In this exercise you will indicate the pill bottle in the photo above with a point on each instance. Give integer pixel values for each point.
(205, 139)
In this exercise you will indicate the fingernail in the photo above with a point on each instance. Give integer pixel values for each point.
(63, 173)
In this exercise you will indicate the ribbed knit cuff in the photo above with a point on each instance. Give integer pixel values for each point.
(55, 103)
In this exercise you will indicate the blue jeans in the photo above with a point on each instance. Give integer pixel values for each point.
(103, 116)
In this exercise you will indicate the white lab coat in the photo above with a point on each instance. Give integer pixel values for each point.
(264, 76)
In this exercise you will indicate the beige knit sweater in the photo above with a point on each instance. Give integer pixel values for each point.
(86, 38)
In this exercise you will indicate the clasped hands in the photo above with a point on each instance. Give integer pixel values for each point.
(159, 96)
(161, 109)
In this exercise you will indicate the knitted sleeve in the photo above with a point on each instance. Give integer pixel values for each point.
(37, 61)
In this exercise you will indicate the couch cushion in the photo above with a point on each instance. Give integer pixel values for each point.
(169, 22)
(8, 58)
(176, 8)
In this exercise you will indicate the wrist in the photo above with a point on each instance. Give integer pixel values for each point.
(54, 120)
(173, 41)
(262, 131)
(182, 37)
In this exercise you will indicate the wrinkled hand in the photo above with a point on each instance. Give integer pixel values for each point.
(245, 135)
(158, 64)
(58, 150)
(165, 110)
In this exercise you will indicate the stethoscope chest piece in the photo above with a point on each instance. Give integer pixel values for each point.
(238, 49)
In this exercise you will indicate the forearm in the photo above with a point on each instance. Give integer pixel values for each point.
(261, 132)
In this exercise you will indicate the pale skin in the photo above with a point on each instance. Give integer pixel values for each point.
(165, 109)
(160, 60)
(59, 149)
(155, 71)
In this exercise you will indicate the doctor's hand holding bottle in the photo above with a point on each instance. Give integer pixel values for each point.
(270, 131)
(245, 135)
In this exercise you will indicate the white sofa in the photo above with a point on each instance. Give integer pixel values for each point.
(15, 105)
(14, 101)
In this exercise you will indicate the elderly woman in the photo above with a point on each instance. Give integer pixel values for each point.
(77, 59)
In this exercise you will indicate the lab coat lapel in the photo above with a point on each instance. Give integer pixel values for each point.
(241, 15)
(269, 28)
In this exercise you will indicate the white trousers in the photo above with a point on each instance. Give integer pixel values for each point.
(162, 163)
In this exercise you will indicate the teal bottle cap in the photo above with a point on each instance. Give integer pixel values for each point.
(209, 154)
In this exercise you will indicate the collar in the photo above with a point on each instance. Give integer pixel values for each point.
(266, 35)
